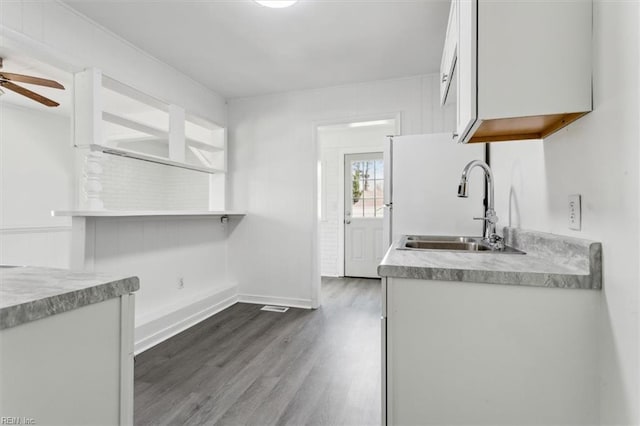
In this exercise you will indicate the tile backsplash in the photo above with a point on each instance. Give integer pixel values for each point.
(130, 184)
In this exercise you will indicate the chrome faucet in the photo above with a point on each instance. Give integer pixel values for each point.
(490, 236)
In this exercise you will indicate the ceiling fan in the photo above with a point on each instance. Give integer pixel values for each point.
(7, 81)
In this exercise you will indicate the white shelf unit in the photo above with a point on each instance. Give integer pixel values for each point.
(117, 119)
(204, 142)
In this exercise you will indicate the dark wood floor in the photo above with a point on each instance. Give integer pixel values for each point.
(249, 367)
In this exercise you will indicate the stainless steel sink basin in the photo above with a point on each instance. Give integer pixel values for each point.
(442, 238)
(444, 245)
(451, 243)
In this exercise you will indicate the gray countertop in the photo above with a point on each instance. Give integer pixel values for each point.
(31, 293)
(550, 261)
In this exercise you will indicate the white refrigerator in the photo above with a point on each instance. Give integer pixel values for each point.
(422, 173)
(421, 176)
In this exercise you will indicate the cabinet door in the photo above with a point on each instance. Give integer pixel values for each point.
(449, 53)
(483, 354)
(65, 369)
(466, 67)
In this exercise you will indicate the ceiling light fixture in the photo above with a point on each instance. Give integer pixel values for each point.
(277, 3)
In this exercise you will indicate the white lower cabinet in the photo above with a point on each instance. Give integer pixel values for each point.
(73, 368)
(483, 354)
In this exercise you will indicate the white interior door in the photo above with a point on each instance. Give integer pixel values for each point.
(363, 212)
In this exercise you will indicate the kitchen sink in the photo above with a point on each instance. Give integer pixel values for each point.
(444, 245)
(451, 243)
(442, 238)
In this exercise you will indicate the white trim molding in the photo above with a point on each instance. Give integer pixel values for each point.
(155, 329)
(34, 229)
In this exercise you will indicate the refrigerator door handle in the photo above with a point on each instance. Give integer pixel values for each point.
(387, 156)
(387, 222)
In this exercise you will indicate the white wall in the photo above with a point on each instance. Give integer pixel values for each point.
(273, 159)
(36, 176)
(162, 251)
(597, 157)
(334, 142)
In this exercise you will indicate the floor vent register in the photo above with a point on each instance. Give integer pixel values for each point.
(269, 308)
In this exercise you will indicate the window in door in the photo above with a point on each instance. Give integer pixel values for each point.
(367, 180)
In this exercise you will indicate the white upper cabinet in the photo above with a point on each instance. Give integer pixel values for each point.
(449, 54)
(522, 68)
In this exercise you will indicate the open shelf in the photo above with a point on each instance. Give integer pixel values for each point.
(152, 158)
(134, 125)
(143, 213)
(203, 145)
(117, 119)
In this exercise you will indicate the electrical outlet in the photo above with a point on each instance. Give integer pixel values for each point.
(575, 212)
(181, 283)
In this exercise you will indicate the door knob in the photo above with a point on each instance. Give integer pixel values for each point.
(347, 221)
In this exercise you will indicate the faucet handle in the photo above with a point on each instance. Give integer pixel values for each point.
(491, 218)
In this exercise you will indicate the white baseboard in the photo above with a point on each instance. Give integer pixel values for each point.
(278, 301)
(156, 330)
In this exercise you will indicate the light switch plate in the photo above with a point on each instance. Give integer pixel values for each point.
(575, 212)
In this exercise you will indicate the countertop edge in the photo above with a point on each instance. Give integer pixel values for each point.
(12, 316)
(527, 279)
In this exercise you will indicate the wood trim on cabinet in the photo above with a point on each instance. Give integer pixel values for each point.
(522, 128)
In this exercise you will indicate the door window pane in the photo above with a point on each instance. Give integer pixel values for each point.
(367, 192)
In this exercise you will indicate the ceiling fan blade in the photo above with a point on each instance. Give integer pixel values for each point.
(31, 80)
(28, 93)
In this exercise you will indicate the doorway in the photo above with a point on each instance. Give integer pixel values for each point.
(363, 213)
(334, 140)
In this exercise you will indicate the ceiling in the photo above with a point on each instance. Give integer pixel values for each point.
(239, 48)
